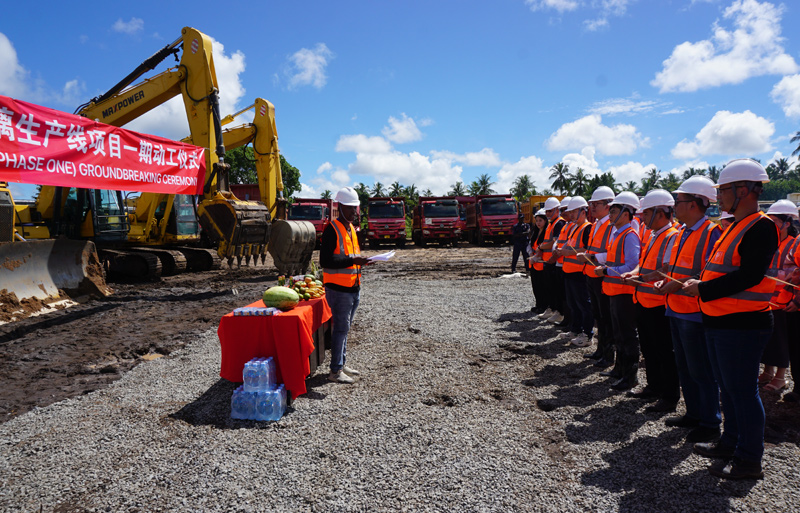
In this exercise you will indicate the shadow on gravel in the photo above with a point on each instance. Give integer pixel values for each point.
(642, 471)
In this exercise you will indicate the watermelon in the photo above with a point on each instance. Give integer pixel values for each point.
(282, 298)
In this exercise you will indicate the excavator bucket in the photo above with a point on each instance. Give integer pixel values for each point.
(291, 245)
(240, 228)
(43, 269)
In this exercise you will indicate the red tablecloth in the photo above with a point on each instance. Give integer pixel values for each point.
(287, 337)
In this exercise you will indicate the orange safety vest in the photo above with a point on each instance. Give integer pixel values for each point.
(345, 245)
(725, 259)
(612, 284)
(785, 292)
(548, 234)
(688, 262)
(780, 296)
(644, 232)
(598, 243)
(573, 263)
(651, 260)
(563, 237)
(537, 266)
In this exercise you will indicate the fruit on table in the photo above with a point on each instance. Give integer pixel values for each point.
(309, 288)
(282, 298)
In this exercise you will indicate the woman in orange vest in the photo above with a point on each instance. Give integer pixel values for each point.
(554, 288)
(580, 306)
(536, 264)
(341, 262)
(734, 294)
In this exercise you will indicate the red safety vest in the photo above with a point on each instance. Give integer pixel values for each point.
(598, 243)
(612, 284)
(345, 245)
(573, 263)
(688, 262)
(651, 260)
(725, 259)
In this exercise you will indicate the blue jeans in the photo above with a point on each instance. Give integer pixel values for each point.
(343, 309)
(700, 391)
(735, 358)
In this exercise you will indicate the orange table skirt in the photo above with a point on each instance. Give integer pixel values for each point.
(286, 337)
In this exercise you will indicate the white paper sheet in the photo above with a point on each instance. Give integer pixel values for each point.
(383, 257)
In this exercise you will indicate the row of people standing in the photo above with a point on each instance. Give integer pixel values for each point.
(697, 301)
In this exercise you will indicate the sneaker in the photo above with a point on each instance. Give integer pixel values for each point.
(738, 469)
(555, 318)
(547, 313)
(582, 340)
(682, 421)
(340, 377)
(350, 372)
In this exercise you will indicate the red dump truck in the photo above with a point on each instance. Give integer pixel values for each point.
(386, 221)
(436, 219)
(491, 218)
(317, 211)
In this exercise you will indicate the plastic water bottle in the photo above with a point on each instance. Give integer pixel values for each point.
(250, 376)
(263, 405)
(270, 365)
(249, 405)
(238, 404)
(280, 402)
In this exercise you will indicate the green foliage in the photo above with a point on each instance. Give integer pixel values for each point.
(562, 179)
(458, 189)
(481, 186)
(778, 189)
(243, 170)
(326, 194)
(291, 178)
(523, 188)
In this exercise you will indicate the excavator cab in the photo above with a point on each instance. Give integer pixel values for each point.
(94, 214)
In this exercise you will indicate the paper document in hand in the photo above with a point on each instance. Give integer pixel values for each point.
(383, 257)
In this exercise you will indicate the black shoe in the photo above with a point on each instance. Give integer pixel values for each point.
(645, 393)
(662, 406)
(683, 421)
(703, 434)
(603, 363)
(613, 373)
(594, 356)
(625, 383)
(714, 450)
(738, 469)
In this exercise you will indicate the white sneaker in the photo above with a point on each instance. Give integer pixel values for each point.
(340, 377)
(582, 340)
(544, 315)
(350, 372)
(555, 318)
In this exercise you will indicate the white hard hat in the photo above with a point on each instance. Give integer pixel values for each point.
(551, 203)
(348, 196)
(564, 202)
(743, 170)
(541, 212)
(576, 203)
(628, 199)
(657, 198)
(602, 193)
(698, 185)
(784, 207)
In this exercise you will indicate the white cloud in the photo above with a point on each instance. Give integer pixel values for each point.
(752, 49)
(14, 78)
(129, 27)
(728, 133)
(584, 160)
(532, 166)
(326, 166)
(590, 131)
(623, 106)
(487, 157)
(307, 67)
(402, 130)
(360, 143)
(558, 5)
(169, 119)
(786, 93)
(408, 168)
(630, 171)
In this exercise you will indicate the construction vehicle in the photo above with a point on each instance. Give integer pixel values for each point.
(317, 211)
(386, 221)
(530, 206)
(436, 219)
(491, 218)
(38, 273)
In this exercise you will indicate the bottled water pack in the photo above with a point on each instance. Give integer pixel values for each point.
(259, 398)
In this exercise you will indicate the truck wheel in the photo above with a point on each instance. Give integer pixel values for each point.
(401, 243)
(481, 241)
(422, 242)
(455, 243)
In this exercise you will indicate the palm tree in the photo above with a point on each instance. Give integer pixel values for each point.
(377, 189)
(580, 183)
(606, 179)
(778, 169)
(396, 189)
(796, 138)
(482, 186)
(632, 186)
(671, 182)
(562, 177)
(410, 192)
(650, 180)
(326, 194)
(693, 171)
(713, 173)
(458, 190)
(427, 193)
(523, 188)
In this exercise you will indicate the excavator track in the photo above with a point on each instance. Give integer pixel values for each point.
(200, 259)
(172, 261)
(136, 265)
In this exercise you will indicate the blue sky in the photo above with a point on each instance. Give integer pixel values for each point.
(432, 92)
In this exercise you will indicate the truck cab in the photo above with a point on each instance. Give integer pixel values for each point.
(436, 219)
(491, 218)
(318, 212)
(386, 221)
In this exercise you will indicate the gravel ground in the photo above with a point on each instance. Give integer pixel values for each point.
(466, 403)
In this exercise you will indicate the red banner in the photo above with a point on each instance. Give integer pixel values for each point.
(46, 147)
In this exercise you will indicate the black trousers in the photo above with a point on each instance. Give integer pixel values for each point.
(519, 250)
(793, 336)
(626, 343)
(655, 338)
(777, 351)
(554, 287)
(538, 286)
(601, 308)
